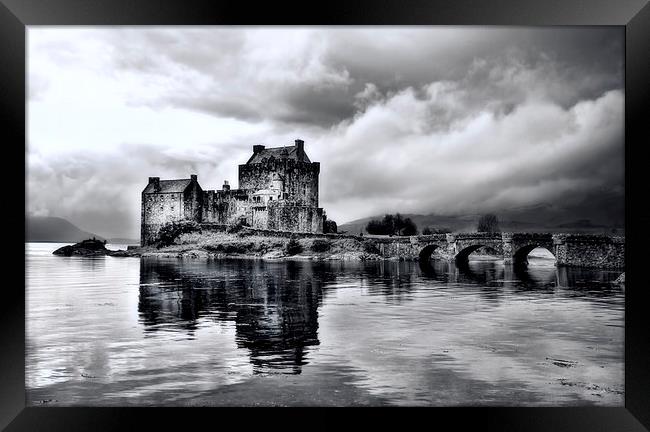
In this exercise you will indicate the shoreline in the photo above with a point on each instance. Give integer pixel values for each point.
(242, 245)
(218, 245)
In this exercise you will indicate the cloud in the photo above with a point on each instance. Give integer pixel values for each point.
(100, 191)
(479, 159)
(412, 119)
(278, 75)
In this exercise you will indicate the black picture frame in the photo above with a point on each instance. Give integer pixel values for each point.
(634, 15)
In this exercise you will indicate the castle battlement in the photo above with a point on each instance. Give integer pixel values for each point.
(278, 189)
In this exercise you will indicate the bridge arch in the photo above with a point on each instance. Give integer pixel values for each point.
(463, 255)
(520, 256)
(425, 253)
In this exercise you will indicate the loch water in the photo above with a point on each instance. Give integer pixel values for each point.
(116, 331)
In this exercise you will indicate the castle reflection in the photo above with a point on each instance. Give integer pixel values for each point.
(274, 305)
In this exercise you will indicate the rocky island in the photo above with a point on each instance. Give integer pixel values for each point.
(90, 247)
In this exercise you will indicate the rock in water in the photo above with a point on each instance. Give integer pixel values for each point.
(89, 247)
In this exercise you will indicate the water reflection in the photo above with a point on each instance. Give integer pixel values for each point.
(168, 331)
(274, 307)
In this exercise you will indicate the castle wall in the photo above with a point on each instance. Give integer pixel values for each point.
(225, 206)
(293, 217)
(300, 179)
(158, 209)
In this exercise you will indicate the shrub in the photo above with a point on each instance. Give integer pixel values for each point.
(233, 229)
(228, 248)
(319, 245)
(329, 227)
(429, 230)
(293, 247)
(170, 231)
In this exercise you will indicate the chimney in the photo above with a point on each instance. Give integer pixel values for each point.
(193, 177)
(257, 149)
(226, 185)
(156, 183)
(300, 148)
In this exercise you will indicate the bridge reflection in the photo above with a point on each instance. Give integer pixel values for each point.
(273, 306)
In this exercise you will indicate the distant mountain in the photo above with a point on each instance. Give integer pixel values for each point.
(539, 218)
(454, 223)
(54, 229)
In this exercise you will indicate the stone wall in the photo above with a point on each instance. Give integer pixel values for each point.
(589, 250)
(398, 247)
(259, 217)
(277, 233)
(225, 206)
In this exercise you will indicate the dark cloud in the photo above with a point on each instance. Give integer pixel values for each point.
(390, 158)
(313, 76)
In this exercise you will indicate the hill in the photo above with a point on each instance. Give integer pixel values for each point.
(540, 218)
(54, 229)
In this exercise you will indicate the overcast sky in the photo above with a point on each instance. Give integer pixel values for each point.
(446, 120)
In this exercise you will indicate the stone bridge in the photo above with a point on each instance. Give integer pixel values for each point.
(586, 250)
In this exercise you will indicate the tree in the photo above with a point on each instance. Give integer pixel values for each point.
(378, 227)
(392, 225)
(488, 223)
(406, 227)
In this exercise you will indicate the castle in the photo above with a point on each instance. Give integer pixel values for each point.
(278, 190)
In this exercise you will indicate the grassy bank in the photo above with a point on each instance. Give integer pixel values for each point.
(224, 245)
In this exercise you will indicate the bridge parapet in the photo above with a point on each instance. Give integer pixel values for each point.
(478, 236)
(431, 237)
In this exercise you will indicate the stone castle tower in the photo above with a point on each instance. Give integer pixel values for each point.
(278, 190)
